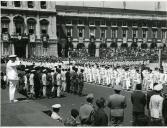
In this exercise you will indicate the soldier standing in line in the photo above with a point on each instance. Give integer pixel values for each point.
(81, 82)
(48, 84)
(44, 82)
(68, 80)
(59, 83)
(37, 83)
(75, 81)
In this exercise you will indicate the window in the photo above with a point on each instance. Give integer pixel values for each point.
(124, 34)
(19, 28)
(103, 23)
(43, 4)
(154, 24)
(81, 33)
(114, 23)
(80, 22)
(124, 23)
(4, 3)
(30, 4)
(134, 32)
(31, 28)
(154, 33)
(144, 24)
(103, 33)
(92, 23)
(68, 22)
(17, 3)
(114, 33)
(69, 32)
(44, 29)
(164, 34)
(144, 33)
(5, 27)
(163, 24)
(134, 23)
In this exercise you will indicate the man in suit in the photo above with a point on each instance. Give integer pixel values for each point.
(68, 80)
(138, 99)
(117, 104)
(100, 117)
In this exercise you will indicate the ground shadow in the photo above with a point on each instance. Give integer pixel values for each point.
(48, 112)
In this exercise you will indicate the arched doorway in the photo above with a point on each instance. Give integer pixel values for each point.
(103, 50)
(92, 49)
(19, 42)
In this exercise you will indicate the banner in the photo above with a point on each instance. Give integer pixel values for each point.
(5, 37)
(32, 38)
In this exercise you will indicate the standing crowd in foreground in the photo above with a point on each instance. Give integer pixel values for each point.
(41, 81)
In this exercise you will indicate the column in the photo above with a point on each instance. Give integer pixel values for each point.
(97, 52)
(13, 51)
(37, 27)
(26, 50)
(50, 29)
(11, 25)
(54, 28)
(25, 23)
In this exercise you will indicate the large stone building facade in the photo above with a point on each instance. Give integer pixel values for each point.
(111, 26)
(42, 28)
(28, 28)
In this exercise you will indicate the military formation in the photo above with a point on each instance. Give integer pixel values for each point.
(43, 80)
(53, 79)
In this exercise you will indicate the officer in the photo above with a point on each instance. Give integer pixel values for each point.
(116, 104)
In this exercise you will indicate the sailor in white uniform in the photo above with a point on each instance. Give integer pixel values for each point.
(12, 76)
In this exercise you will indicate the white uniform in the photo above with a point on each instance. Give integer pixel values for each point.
(12, 77)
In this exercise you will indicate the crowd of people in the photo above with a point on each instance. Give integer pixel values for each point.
(47, 79)
(91, 115)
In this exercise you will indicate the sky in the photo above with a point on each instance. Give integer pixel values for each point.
(139, 5)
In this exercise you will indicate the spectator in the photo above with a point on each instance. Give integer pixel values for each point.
(55, 113)
(155, 106)
(86, 111)
(72, 120)
(100, 117)
(116, 104)
(138, 99)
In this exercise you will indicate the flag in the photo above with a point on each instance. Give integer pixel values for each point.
(158, 6)
(124, 4)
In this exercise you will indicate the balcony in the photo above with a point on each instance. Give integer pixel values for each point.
(125, 26)
(144, 27)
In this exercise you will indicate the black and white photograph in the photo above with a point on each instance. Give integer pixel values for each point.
(68, 63)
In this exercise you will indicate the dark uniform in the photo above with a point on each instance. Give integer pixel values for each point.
(68, 80)
(37, 84)
(80, 82)
(49, 84)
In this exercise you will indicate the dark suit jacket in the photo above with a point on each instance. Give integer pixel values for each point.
(138, 99)
(100, 118)
(164, 109)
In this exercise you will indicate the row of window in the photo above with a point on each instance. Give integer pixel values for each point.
(116, 23)
(30, 4)
(19, 28)
(115, 31)
(44, 30)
